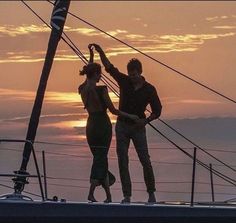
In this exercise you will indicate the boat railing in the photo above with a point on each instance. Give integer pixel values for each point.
(44, 177)
(18, 175)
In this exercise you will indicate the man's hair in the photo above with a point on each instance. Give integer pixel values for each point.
(134, 64)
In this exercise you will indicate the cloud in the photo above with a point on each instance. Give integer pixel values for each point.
(28, 60)
(84, 31)
(145, 43)
(66, 124)
(135, 36)
(136, 19)
(14, 31)
(93, 32)
(44, 116)
(25, 29)
(165, 43)
(51, 97)
(139, 20)
(212, 18)
(219, 18)
(50, 119)
(16, 94)
(192, 101)
(192, 39)
(39, 56)
(224, 27)
(68, 97)
(72, 122)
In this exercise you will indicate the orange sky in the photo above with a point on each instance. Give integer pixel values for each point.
(196, 38)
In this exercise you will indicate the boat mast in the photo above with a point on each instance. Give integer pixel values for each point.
(58, 19)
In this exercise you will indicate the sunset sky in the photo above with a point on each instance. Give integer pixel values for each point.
(197, 38)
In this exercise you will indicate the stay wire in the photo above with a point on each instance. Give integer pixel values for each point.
(206, 166)
(203, 150)
(74, 47)
(152, 58)
(190, 141)
(117, 94)
(26, 192)
(217, 173)
(209, 154)
(163, 120)
(76, 51)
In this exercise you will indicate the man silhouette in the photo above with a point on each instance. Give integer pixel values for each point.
(135, 95)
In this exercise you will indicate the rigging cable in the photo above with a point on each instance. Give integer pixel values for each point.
(74, 48)
(152, 58)
(149, 110)
(226, 178)
(26, 192)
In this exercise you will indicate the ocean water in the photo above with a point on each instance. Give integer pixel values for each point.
(68, 162)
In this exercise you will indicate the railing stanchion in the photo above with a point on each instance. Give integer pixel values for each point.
(212, 184)
(193, 175)
(45, 175)
(38, 172)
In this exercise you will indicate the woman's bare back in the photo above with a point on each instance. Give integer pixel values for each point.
(91, 99)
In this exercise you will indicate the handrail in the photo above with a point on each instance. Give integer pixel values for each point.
(154, 161)
(150, 147)
(62, 185)
(35, 160)
(26, 192)
(17, 175)
(83, 58)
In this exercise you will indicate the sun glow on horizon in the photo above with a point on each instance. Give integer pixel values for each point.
(199, 45)
(69, 124)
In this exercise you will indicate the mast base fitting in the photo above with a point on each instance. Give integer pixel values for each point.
(20, 180)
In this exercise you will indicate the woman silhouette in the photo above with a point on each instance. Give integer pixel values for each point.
(99, 129)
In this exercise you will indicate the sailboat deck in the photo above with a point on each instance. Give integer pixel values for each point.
(38, 211)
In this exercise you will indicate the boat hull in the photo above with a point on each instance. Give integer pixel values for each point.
(50, 212)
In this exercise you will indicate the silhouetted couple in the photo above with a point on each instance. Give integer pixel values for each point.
(135, 95)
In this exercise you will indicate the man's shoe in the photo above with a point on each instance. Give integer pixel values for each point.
(126, 200)
(108, 200)
(152, 198)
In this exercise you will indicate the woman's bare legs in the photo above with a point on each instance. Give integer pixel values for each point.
(106, 187)
(93, 184)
